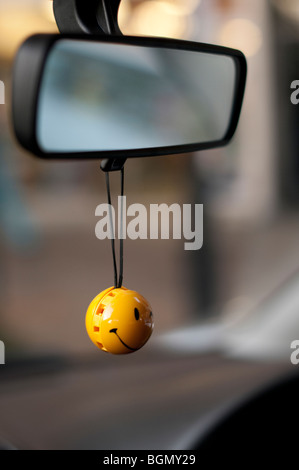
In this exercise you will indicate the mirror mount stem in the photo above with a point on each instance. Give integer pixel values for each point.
(100, 18)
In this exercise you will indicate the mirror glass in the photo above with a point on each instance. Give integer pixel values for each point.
(97, 96)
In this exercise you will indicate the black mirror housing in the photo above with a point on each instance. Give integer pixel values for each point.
(28, 75)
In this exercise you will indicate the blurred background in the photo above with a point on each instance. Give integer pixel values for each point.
(52, 265)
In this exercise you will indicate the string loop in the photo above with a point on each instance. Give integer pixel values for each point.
(117, 280)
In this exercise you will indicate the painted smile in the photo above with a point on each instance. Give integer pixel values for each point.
(114, 330)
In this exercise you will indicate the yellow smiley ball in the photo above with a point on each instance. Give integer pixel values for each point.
(119, 321)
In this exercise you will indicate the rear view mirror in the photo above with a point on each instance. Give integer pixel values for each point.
(101, 97)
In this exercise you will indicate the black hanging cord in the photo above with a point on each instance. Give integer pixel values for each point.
(121, 241)
(117, 281)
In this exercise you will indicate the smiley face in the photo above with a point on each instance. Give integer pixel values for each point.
(119, 321)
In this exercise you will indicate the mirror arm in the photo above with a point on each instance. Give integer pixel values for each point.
(100, 17)
(75, 17)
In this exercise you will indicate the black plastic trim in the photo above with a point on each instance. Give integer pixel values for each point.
(28, 71)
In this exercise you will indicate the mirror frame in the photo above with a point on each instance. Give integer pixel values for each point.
(27, 77)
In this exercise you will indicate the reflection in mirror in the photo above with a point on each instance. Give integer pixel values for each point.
(106, 96)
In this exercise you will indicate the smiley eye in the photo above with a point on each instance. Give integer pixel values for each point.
(136, 312)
